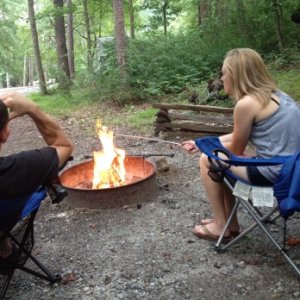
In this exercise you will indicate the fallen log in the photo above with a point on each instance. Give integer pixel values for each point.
(208, 123)
(199, 108)
(192, 126)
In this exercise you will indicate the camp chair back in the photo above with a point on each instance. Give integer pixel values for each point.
(285, 189)
(17, 223)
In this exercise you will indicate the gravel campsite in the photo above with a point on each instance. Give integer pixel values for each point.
(146, 249)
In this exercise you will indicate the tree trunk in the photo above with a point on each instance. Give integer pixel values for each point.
(164, 10)
(243, 24)
(70, 38)
(88, 35)
(131, 13)
(7, 80)
(202, 11)
(61, 47)
(36, 47)
(120, 37)
(199, 20)
(30, 71)
(25, 71)
(279, 24)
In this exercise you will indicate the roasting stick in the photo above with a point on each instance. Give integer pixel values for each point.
(149, 139)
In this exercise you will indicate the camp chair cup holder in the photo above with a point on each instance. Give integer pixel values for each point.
(218, 168)
(56, 192)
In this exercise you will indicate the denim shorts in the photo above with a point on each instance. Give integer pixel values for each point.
(256, 178)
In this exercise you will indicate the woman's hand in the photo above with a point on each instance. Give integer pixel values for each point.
(190, 146)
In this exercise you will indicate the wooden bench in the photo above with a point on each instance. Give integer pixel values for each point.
(198, 119)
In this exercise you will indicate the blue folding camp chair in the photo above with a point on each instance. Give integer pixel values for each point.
(17, 224)
(286, 191)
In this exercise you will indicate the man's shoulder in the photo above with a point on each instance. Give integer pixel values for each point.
(17, 160)
(25, 171)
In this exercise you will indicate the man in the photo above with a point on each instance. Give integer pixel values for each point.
(21, 174)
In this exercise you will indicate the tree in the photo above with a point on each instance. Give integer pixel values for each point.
(202, 11)
(162, 12)
(88, 35)
(61, 47)
(131, 14)
(277, 8)
(70, 38)
(36, 47)
(120, 36)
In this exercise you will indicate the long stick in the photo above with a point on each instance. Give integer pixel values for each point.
(145, 138)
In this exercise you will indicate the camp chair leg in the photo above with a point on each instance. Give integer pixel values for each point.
(218, 246)
(46, 276)
(6, 284)
(275, 243)
(259, 222)
(265, 219)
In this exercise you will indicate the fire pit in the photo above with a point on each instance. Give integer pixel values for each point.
(140, 185)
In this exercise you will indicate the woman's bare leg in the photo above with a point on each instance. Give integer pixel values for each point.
(215, 193)
(229, 203)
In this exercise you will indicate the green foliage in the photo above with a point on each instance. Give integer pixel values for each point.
(159, 67)
(162, 65)
(155, 9)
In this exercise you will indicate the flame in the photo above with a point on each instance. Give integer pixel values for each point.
(109, 169)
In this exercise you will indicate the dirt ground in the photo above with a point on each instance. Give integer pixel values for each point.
(146, 249)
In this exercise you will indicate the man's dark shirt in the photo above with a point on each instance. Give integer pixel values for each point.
(24, 172)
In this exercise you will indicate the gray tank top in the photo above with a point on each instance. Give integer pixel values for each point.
(279, 134)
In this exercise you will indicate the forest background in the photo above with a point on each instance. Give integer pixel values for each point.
(137, 52)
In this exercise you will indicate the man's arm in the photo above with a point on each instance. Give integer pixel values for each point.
(52, 133)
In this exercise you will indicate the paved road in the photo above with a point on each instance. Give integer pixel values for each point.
(21, 89)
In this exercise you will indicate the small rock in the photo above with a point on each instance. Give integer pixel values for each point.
(162, 165)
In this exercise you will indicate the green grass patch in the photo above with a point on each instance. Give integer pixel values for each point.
(288, 81)
(142, 118)
(134, 116)
(57, 104)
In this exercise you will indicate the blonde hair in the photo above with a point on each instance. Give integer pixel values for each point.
(249, 75)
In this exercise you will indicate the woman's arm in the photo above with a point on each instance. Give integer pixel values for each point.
(243, 118)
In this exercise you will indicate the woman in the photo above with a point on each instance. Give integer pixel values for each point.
(263, 115)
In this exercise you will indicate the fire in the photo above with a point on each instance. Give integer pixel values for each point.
(109, 169)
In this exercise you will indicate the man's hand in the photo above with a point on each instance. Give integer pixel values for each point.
(18, 104)
(190, 146)
(52, 133)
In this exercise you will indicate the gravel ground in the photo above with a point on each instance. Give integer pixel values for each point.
(145, 250)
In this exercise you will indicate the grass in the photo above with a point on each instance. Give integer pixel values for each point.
(288, 81)
(57, 104)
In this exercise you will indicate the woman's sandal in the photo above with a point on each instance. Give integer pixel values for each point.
(207, 235)
(208, 221)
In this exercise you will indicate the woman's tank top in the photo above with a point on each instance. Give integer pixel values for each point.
(279, 134)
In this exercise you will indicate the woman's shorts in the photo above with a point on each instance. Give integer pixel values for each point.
(256, 178)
